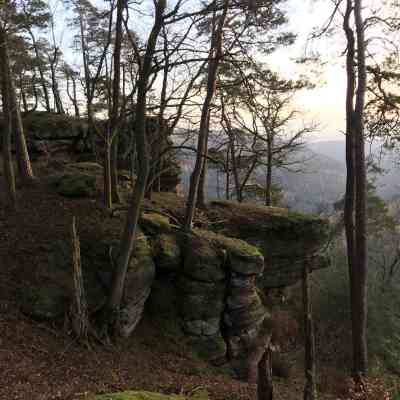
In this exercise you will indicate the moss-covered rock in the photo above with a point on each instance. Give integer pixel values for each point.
(154, 223)
(203, 306)
(202, 327)
(211, 348)
(139, 395)
(202, 260)
(136, 396)
(88, 167)
(46, 302)
(167, 252)
(138, 282)
(193, 287)
(76, 185)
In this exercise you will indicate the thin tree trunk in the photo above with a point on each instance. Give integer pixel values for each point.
(79, 309)
(116, 101)
(128, 237)
(41, 73)
(360, 314)
(7, 156)
(23, 161)
(228, 177)
(355, 199)
(215, 57)
(310, 388)
(268, 183)
(264, 376)
(201, 194)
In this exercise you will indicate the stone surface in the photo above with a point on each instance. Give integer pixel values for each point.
(167, 252)
(77, 184)
(285, 239)
(202, 261)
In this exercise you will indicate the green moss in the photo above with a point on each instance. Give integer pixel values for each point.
(136, 396)
(243, 220)
(235, 246)
(153, 223)
(87, 167)
(209, 348)
(198, 395)
(76, 185)
(167, 252)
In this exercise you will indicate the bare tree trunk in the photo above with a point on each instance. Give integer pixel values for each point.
(228, 177)
(264, 376)
(355, 199)
(215, 57)
(7, 156)
(23, 161)
(310, 388)
(201, 195)
(360, 313)
(128, 237)
(268, 183)
(41, 73)
(114, 120)
(231, 148)
(79, 310)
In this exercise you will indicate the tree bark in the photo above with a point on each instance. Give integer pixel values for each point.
(114, 120)
(215, 55)
(310, 388)
(128, 236)
(360, 313)
(355, 199)
(41, 73)
(7, 155)
(268, 179)
(264, 377)
(23, 161)
(79, 309)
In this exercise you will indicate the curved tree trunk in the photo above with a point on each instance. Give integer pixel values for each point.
(128, 237)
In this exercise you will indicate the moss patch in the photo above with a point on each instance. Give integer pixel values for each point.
(154, 223)
(235, 246)
(136, 396)
(76, 185)
(131, 395)
(243, 219)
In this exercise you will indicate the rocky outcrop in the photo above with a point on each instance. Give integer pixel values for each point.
(49, 133)
(287, 240)
(211, 281)
(52, 298)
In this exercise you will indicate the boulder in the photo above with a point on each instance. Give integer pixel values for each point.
(285, 239)
(76, 185)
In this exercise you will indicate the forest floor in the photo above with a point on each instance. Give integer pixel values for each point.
(39, 360)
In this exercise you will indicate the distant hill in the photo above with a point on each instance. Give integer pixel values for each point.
(321, 181)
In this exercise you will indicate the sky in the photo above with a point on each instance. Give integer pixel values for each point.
(325, 104)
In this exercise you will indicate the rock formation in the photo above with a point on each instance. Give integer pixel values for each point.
(214, 278)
